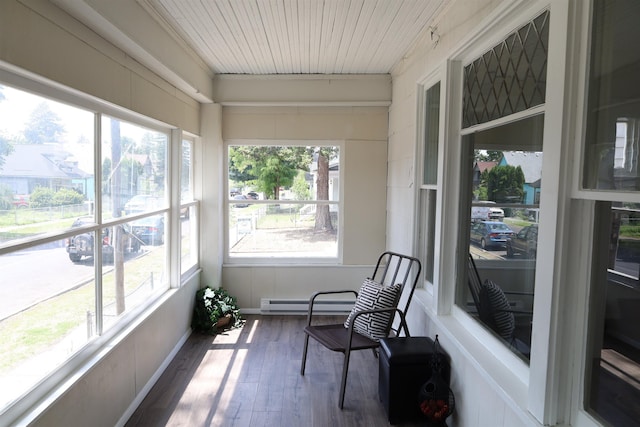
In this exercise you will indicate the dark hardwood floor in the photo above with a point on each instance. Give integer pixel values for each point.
(251, 377)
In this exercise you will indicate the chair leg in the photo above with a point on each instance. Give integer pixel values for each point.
(343, 384)
(304, 354)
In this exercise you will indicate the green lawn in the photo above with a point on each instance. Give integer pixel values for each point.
(34, 330)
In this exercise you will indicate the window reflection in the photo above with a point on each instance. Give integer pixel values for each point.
(612, 153)
(68, 271)
(615, 363)
(502, 191)
(138, 267)
(46, 165)
(612, 138)
(58, 291)
(134, 165)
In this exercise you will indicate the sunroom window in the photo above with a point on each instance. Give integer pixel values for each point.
(283, 202)
(429, 185)
(611, 174)
(503, 122)
(501, 191)
(614, 354)
(84, 237)
(188, 217)
(134, 166)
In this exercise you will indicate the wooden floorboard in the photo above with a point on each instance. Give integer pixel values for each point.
(251, 377)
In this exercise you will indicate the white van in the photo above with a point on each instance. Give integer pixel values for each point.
(484, 212)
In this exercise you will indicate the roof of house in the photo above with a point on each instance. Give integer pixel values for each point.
(529, 162)
(483, 166)
(40, 161)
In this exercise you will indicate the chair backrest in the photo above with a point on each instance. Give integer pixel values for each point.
(394, 268)
(475, 283)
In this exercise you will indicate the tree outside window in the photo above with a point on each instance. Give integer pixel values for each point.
(283, 201)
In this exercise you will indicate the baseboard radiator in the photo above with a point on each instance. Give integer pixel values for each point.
(301, 306)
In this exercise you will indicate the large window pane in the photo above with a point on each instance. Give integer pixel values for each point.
(136, 266)
(502, 201)
(431, 134)
(281, 230)
(186, 171)
(283, 201)
(46, 314)
(188, 229)
(46, 164)
(48, 220)
(188, 239)
(134, 164)
(614, 362)
(428, 189)
(613, 126)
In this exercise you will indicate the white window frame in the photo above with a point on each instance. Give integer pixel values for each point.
(52, 385)
(535, 387)
(191, 205)
(426, 190)
(279, 261)
(582, 210)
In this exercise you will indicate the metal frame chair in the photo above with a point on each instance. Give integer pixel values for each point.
(390, 267)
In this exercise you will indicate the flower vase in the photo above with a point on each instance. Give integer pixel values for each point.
(223, 322)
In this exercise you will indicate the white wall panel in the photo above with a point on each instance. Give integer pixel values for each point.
(363, 131)
(480, 400)
(49, 43)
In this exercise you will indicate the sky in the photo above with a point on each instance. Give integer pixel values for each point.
(16, 109)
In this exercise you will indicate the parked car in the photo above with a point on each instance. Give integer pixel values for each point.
(142, 203)
(20, 201)
(81, 245)
(253, 195)
(525, 242)
(240, 197)
(149, 230)
(490, 233)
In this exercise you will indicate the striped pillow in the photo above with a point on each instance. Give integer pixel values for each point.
(501, 318)
(372, 296)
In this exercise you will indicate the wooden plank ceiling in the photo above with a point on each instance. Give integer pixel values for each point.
(297, 36)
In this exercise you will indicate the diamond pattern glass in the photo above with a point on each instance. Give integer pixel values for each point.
(509, 78)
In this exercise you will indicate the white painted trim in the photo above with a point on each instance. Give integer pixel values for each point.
(178, 71)
(581, 237)
(581, 224)
(433, 78)
(303, 90)
(280, 260)
(305, 104)
(540, 378)
(545, 364)
(174, 166)
(512, 118)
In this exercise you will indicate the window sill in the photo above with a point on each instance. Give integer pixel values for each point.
(469, 343)
(27, 408)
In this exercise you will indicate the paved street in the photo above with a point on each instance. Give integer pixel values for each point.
(34, 275)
